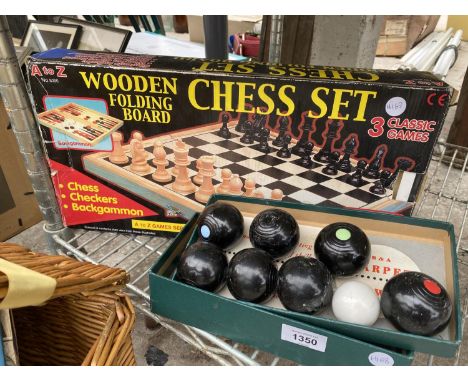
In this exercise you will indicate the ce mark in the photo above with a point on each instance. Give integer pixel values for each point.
(440, 100)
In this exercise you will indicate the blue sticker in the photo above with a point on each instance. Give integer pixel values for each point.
(205, 231)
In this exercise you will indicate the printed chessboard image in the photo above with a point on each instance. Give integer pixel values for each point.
(234, 157)
(79, 122)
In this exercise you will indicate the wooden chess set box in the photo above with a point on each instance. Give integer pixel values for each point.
(138, 143)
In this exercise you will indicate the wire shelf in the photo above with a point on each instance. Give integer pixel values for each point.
(137, 254)
(445, 197)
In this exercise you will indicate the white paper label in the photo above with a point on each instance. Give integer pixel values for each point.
(380, 359)
(395, 106)
(304, 338)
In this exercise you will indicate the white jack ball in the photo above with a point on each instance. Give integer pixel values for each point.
(356, 303)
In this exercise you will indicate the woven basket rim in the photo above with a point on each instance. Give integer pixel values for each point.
(72, 276)
(94, 285)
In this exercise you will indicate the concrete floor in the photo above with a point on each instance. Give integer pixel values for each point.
(167, 348)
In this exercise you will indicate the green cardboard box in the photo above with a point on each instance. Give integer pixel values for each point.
(250, 324)
(429, 244)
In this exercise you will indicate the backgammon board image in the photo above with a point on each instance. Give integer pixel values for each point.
(240, 157)
(79, 122)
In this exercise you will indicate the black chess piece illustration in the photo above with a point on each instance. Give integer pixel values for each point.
(240, 123)
(373, 169)
(378, 188)
(283, 127)
(285, 152)
(255, 124)
(355, 179)
(331, 168)
(224, 131)
(345, 163)
(256, 120)
(247, 138)
(263, 146)
(384, 176)
(306, 160)
(302, 142)
(402, 165)
(323, 154)
(258, 128)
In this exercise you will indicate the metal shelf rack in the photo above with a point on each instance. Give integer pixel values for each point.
(444, 198)
(136, 254)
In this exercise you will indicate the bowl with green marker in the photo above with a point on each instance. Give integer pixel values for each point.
(343, 247)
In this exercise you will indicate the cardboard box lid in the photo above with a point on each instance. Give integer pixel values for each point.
(404, 79)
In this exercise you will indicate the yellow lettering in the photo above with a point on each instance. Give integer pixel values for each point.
(319, 102)
(276, 71)
(109, 81)
(218, 95)
(245, 68)
(192, 93)
(342, 75)
(363, 103)
(296, 72)
(203, 67)
(286, 100)
(317, 73)
(245, 97)
(127, 114)
(228, 68)
(141, 84)
(370, 77)
(112, 99)
(89, 78)
(337, 103)
(266, 98)
(154, 84)
(171, 84)
(125, 87)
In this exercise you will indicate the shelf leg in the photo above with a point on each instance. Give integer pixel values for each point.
(25, 128)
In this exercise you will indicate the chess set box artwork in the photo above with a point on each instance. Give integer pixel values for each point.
(139, 143)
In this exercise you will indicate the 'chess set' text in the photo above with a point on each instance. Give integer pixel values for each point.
(333, 103)
(229, 96)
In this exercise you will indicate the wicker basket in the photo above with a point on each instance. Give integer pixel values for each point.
(87, 321)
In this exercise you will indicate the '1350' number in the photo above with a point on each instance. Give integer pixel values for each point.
(304, 339)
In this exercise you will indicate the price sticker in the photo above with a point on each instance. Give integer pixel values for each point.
(380, 359)
(304, 338)
(395, 106)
